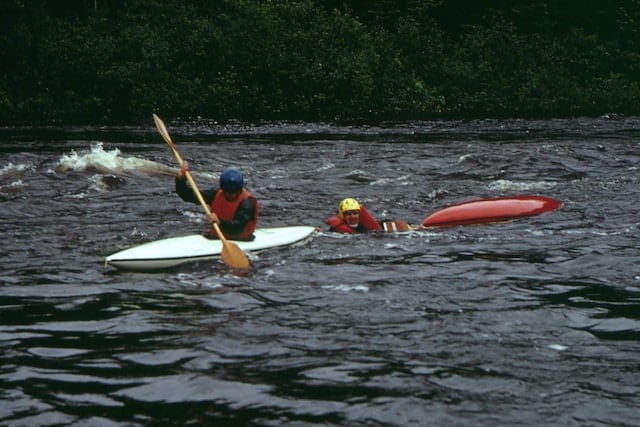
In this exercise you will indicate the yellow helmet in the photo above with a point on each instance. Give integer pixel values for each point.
(348, 205)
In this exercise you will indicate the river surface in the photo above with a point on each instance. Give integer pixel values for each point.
(529, 322)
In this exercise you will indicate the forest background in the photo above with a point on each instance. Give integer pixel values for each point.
(67, 62)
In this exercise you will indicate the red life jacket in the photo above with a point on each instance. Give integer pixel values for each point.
(367, 223)
(226, 211)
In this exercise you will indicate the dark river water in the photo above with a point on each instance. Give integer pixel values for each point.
(530, 322)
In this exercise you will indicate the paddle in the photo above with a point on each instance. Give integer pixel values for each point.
(231, 254)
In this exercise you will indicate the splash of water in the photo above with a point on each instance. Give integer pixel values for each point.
(503, 185)
(109, 162)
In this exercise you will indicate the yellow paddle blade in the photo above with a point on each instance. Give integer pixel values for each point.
(233, 256)
(162, 129)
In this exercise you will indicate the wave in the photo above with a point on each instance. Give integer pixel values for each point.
(97, 159)
(507, 185)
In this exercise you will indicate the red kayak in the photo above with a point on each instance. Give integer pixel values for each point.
(491, 210)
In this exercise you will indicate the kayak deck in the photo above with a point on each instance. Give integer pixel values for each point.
(171, 252)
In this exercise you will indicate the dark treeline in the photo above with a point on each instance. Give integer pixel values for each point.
(117, 61)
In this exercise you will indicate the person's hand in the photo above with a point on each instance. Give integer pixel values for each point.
(183, 170)
(212, 217)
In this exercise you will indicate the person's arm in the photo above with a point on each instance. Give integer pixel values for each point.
(333, 222)
(186, 193)
(367, 221)
(246, 212)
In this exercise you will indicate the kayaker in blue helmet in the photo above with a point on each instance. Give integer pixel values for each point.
(232, 206)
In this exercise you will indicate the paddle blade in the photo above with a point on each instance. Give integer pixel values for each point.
(162, 129)
(233, 256)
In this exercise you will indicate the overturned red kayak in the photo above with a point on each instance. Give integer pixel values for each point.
(491, 210)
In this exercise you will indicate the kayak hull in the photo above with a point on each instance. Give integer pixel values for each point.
(171, 252)
(498, 209)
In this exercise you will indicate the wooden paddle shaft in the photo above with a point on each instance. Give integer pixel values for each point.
(231, 254)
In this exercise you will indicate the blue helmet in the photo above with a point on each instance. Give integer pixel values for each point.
(231, 180)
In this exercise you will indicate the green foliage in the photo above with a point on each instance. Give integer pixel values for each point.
(71, 62)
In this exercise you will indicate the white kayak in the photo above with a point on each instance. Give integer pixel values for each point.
(174, 251)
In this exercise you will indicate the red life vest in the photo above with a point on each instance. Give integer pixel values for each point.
(226, 211)
(367, 223)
